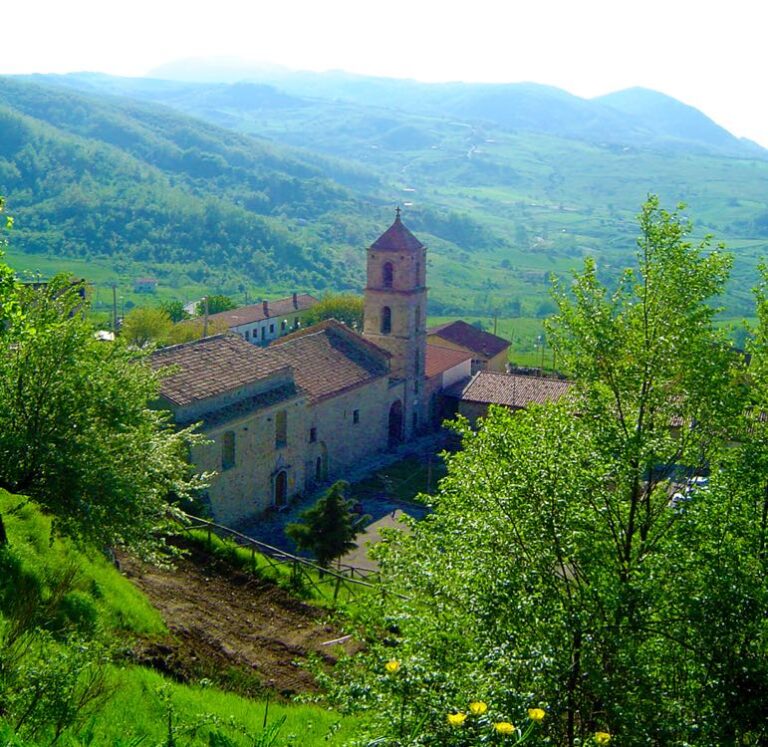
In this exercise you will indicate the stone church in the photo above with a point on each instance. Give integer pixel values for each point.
(283, 419)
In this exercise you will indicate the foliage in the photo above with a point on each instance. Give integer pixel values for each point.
(175, 310)
(328, 528)
(556, 573)
(76, 433)
(193, 329)
(216, 303)
(145, 325)
(346, 308)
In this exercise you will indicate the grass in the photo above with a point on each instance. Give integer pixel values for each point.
(405, 480)
(143, 700)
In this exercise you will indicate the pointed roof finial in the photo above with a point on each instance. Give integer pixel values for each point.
(397, 213)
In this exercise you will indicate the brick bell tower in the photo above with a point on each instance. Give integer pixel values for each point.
(396, 313)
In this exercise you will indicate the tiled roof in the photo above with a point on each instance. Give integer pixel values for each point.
(329, 358)
(397, 238)
(256, 312)
(249, 405)
(211, 366)
(472, 338)
(441, 359)
(489, 387)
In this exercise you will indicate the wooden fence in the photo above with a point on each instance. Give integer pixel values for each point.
(327, 582)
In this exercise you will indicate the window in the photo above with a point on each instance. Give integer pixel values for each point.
(355, 416)
(312, 435)
(283, 325)
(296, 322)
(281, 429)
(386, 320)
(271, 329)
(387, 274)
(227, 450)
(263, 333)
(247, 335)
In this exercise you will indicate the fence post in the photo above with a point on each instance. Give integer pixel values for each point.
(336, 588)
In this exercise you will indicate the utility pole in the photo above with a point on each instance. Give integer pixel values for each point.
(205, 318)
(114, 308)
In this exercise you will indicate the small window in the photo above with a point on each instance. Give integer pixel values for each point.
(271, 329)
(355, 416)
(228, 450)
(386, 320)
(387, 274)
(247, 334)
(263, 333)
(312, 435)
(281, 429)
(283, 325)
(296, 323)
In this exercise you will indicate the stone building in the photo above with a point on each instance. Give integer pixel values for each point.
(284, 418)
(489, 352)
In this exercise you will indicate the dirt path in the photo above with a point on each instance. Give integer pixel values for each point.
(227, 624)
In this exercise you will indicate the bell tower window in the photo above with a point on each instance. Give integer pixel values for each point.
(387, 273)
(386, 320)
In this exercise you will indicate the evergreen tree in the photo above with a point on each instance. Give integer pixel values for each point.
(329, 528)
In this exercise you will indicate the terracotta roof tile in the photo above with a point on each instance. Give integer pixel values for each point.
(472, 338)
(255, 312)
(211, 366)
(397, 238)
(441, 359)
(512, 390)
(329, 358)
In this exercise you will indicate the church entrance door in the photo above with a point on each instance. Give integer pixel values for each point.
(395, 423)
(281, 489)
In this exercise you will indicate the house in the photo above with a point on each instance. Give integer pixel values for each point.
(472, 397)
(281, 419)
(444, 367)
(263, 322)
(489, 352)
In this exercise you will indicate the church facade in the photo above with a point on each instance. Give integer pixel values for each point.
(282, 420)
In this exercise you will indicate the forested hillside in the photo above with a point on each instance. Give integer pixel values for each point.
(507, 184)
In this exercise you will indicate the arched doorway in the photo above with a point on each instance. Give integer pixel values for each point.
(281, 488)
(395, 423)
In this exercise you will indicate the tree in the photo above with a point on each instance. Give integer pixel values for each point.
(216, 303)
(329, 528)
(346, 308)
(145, 325)
(554, 570)
(175, 310)
(76, 433)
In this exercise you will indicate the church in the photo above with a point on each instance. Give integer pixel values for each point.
(282, 420)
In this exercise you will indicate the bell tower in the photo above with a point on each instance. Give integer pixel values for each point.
(396, 312)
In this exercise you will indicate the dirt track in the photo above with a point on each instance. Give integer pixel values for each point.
(226, 624)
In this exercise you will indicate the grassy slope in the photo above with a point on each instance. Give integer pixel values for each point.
(141, 697)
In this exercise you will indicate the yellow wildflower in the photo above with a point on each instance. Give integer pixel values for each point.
(504, 727)
(602, 737)
(536, 714)
(392, 666)
(477, 707)
(456, 719)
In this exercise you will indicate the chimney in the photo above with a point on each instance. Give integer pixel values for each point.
(295, 301)
(265, 307)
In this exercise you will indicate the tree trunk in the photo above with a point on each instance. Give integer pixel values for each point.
(3, 535)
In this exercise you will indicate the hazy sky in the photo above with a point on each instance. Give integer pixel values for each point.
(710, 54)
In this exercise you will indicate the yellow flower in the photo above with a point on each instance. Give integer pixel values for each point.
(504, 727)
(392, 666)
(602, 737)
(456, 719)
(536, 714)
(477, 707)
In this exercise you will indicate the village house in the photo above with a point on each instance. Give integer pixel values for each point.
(262, 322)
(489, 352)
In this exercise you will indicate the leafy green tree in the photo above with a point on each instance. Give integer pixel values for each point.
(216, 304)
(145, 325)
(76, 433)
(328, 529)
(175, 310)
(555, 569)
(346, 308)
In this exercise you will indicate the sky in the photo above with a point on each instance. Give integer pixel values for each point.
(709, 54)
